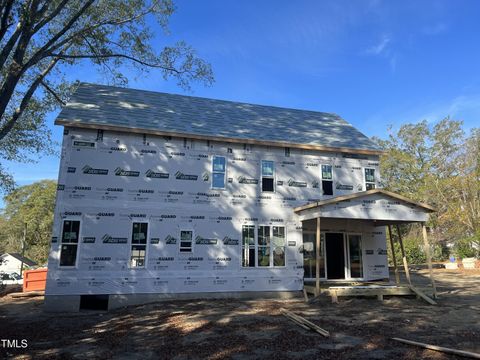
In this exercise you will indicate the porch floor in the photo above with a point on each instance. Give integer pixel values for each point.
(377, 289)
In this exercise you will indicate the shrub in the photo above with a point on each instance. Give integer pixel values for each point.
(464, 248)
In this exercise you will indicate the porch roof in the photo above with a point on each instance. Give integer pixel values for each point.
(381, 206)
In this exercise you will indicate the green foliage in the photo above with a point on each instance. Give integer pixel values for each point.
(438, 165)
(41, 40)
(32, 205)
(467, 247)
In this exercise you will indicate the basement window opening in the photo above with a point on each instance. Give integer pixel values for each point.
(94, 302)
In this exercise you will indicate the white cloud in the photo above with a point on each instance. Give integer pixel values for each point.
(435, 29)
(380, 47)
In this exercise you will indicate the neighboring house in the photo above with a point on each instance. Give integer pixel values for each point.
(12, 262)
(163, 194)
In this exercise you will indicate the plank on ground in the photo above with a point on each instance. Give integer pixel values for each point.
(439, 348)
(305, 322)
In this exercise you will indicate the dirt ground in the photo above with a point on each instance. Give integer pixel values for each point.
(360, 328)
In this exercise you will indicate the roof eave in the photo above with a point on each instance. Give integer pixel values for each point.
(78, 124)
(337, 199)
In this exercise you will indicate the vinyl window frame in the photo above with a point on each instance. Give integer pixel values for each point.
(272, 177)
(367, 183)
(322, 179)
(347, 258)
(270, 245)
(77, 244)
(246, 249)
(139, 244)
(192, 241)
(224, 172)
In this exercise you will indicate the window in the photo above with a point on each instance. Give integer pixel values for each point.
(327, 180)
(218, 172)
(70, 235)
(139, 244)
(278, 242)
(369, 179)
(263, 246)
(287, 152)
(355, 255)
(248, 246)
(269, 248)
(268, 176)
(186, 239)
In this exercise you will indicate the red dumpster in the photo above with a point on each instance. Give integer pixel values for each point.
(34, 280)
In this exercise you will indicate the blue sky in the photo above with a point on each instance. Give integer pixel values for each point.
(375, 63)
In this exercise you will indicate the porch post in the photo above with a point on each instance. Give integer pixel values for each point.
(429, 259)
(317, 257)
(405, 264)
(397, 276)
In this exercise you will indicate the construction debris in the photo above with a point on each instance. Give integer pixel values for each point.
(422, 295)
(27, 294)
(440, 348)
(304, 323)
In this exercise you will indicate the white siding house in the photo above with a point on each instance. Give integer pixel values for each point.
(164, 195)
(12, 263)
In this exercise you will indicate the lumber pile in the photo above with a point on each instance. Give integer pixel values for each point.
(304, 323)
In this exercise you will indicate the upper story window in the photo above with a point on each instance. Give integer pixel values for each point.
(218, 172)
(186, 240)
(327, 180)
(369, 179)
(268, 175)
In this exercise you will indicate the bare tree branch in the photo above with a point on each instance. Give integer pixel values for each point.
(51, 16)
(6, 9)
(89, 29)
(39, 53)
(26, 98)
(51, 91)
(124, 56)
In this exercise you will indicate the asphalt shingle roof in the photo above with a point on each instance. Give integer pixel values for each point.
(93, 104)
(19, 257)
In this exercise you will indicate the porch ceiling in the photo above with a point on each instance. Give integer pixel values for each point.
(381, 206)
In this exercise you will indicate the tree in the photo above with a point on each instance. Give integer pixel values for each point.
(32, 205)
(438, 165)
(40, 39)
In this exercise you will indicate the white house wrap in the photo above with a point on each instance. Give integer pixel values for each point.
(150, 203)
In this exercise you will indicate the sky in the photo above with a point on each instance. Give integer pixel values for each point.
(374, 63)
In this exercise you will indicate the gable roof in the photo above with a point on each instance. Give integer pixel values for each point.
(19, 257)
(423, 206)
(122, 109)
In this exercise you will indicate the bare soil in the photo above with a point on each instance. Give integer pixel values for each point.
(361, 328)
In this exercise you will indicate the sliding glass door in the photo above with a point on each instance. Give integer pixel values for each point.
(355, 256)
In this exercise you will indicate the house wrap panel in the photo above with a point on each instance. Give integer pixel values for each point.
(110, 181)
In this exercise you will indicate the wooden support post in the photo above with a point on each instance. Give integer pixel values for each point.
(305, 295)
(429, 259)
(317, 257)
(404, 257)
(397, 276)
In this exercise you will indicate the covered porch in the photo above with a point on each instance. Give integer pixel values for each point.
(345, 243)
